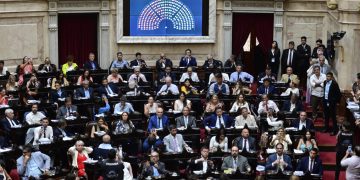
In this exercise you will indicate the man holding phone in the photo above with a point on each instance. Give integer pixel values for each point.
(154, 167)
(352, 163)
(32, 164)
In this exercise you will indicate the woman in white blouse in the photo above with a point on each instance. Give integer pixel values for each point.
(292, 89)
(182, 102)
(273, 122)
(219, 142)
(281, 137)
(150, 107)
(240, 103)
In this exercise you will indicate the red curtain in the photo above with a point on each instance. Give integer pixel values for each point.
(264, 31)
(77, 36)
(240, 31)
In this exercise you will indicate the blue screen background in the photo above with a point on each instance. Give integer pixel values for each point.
(166, 26)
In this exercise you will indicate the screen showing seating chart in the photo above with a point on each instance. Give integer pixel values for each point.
(166, 17)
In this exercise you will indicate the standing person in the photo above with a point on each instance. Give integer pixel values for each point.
(289, 58)
(344, 140)
(111, 168)
(274, 58)
(317, 90)
(26, 67)
(304, 53)
(332, 97)
(352, 164)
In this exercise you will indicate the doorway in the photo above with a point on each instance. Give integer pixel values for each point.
(252, 37)
(78, 36)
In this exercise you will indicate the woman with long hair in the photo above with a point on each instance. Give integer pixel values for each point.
(182, 102)
(150, 107)
(124, 125)
(101, 125)
(274, 57)
(213, 104)
(281, 137)
(240, 103)
(307, 142)
(11, 84)
(60, 77)
(239, 88)
(25, 68)
(85, 76)
(187, 88)
(219, 142)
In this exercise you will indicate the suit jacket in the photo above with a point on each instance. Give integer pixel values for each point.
(325, 68)
(159, 67)
(135, 63)
(55, 96)
(80, 92)
(251, 141)
(304, 55)
(183, 62)
(309, 124)
(52, 68)
(285, 78)
(284, 58)
(199, 165)
(42, 160)
(211, 121)
(273, 157)
(276, 57)
(57, 132)
(153, 122)
(228, 63)
(334, 95)
(303, 165)
(101, 90)
(216, 64)
(241, 163)
(62, 111)
(287, 105)
(163, 75)
(6, 126)
(149, 171)
(181, 122)
(169, 143)
(88, 65)
(271, 90)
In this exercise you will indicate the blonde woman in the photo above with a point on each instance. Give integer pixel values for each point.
(281, 137)
(213, 104)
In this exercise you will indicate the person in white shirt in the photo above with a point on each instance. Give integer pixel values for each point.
(240, 103)
(3, 69)
(245, 118)
(168, 88)
(182, 102)
(34, 117)
(317, 89)
(123, 106)
(273, 121)
(189, 75)
(267, 104)
(43, 132)
(219, 142)
(212, 78)
(292, 89)
(352, 164)
(137, 77)
(106, 139)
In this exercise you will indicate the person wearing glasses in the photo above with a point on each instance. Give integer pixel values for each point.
(154, 167)
(32, 164)
(279, 161)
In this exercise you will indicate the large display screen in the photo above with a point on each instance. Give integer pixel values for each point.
(166, 17)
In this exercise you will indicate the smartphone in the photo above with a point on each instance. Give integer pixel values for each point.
(349, 149)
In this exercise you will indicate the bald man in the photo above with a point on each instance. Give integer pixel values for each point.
(168, 88)
(101, 152)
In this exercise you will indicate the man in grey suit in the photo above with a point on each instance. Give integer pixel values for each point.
(236, 162)
(153, 168)
(174, 142)
(185, 121)
(245, 142)
(324, 68)
(67, 110)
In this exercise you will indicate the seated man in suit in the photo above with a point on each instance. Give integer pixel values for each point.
(187, 60)
(303, 123)
(245, 142)
(245, 118)
(185, 121)
(57, 93)
(85, 91)
(189, 75)
(217, 120)
(67, 110)
(162, 63)
(153, 168)
(152, 142)
(266, 88)
(203, 163)
(174, 143)
(109, 90)
(43, 132)
(289, 76)
(167, 73)
(236, 162)
(9, 122)
(47, 66)
(279, 161)
(32, 164)
(311, 164)
(212, 63)
(103, 149)
(292, 105)
(265, 105)
(61, 131)
(91, 64)
(138, 61)
(158, 121)
(34, 117)
(168, 88)
(219, 87)
(267, 75)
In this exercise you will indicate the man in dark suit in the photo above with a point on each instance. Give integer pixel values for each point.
(319, 49)
(245, 142)
(138, 61)
(236, 162)
(101, 152)
(232, 62)
(185, 121)
(166, 73)
(67, 110)
(91, 64)
(303, 122)
(187, 60)
(304, 53)
(212, 63)
(197, 164)
(9, 122)
(279, 161)
(158, 121)
(266, 88)
(111, 168)
(267, 75)
(107, 89)
(85, 91)
(47, 66)
(218, 120)
(162, 63)
(61, 131)
(311, 164)
(331, 97)
(289, 58)
(153, 168)
(292, 105)
(57, 93)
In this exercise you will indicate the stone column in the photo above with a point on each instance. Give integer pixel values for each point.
(278, 22)
(53, 32)
(227, 25)
(104, 54)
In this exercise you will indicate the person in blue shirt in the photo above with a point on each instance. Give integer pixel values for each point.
(123, 106)
(119, 63)
(187, 60)
(219, 87)
(158, 121)
(152, 142)
(32, 164)
(239, 75)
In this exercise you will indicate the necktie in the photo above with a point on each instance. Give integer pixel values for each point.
(218, 124)
(266, 90)
(266, 106)
(186, 121)
(245, 145)
(175, 148)
(188, 61)
(238, 77)
(137, 79)
(311, 165)
(68, 111)
(155, 172)
(289, 58)
(289, 80)
(12, 123)
(44, 132)
(234, 164)
(159, 123)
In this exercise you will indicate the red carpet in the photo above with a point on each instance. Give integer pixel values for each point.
(328, 158)
(324, 139)
(330, 175)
